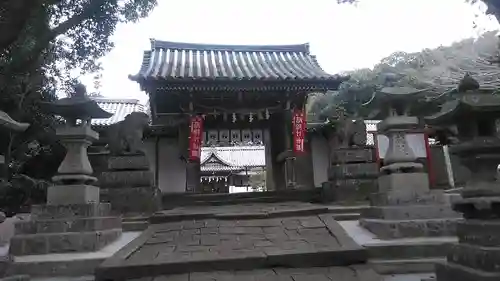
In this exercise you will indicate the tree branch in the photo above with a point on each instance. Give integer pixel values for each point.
(44, 42)
(74, 20)
(14, 18)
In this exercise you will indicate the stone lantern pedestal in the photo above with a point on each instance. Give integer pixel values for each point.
(404, 206)
(73, 220)
(477, 255)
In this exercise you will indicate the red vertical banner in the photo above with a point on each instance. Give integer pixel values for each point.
(195, 138)
(298, 130)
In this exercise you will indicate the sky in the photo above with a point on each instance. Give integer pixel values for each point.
(343, 37)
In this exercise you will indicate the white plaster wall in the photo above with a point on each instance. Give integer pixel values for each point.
(171, 169)
(320, 159)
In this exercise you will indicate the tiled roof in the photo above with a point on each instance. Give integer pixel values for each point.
(119, 107)
(187, 62)
(232, 158)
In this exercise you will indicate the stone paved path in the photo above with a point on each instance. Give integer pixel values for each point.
(237, 238)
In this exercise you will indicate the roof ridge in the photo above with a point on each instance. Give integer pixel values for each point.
(159, 44)
(213, 153)
(115, 100)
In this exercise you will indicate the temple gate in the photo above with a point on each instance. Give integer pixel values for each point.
(227, 94)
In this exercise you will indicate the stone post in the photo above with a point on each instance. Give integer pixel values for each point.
(290, 176)
(193, 184)
(404, 206)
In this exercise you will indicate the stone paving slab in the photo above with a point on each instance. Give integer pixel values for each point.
(225, 243)
(351, 273)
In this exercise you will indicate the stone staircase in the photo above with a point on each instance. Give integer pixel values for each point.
(172, 200)
(279, 240)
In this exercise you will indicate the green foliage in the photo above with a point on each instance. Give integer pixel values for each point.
(41, 43)
(436, 70)
(257, 179)
(20, 193)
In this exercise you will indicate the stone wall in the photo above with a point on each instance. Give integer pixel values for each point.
(352, 175)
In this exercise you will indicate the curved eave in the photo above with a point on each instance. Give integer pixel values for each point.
(234, 84)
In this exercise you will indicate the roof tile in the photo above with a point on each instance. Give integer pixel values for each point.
(178, 61)
(119, 107)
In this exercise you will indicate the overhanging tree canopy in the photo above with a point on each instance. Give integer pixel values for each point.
(42, 42)
(436, 70)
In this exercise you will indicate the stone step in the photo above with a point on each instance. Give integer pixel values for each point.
(393, 229)
(346, 216)
(135, 225)
(174, 216)
(16, 278)
(172, 200)
(404, 266)
(412, 212)
(241, 261)
(67, 225)
(478, 257)
(237, 201)
(66, 266)
(425, 248)
(450, 272)
(338, 209)
(64, 269)
(68, 242)
(350, 273)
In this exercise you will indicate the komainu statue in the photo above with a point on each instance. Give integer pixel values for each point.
(125, 137)
(352, 133)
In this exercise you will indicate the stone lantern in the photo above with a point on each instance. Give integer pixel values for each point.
(73, 220)
(74, 175)
(475, 114)
(404, 205)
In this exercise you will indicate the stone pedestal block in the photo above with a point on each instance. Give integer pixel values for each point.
(403, 182)
(409, 212)
(393, 229)
(127, 162)
(352, 175)
(348, 190)
(130, 178)
(353, 171)
(65, 228)
(128, 185)
(477, 255)
(352, 155)
(404, 206)
(62, 242)
(44, 212)
(145, 199)
(67, 225)
(72, 194)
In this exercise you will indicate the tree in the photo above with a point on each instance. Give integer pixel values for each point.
(436, 70)
(257, 179)
(41, 42)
